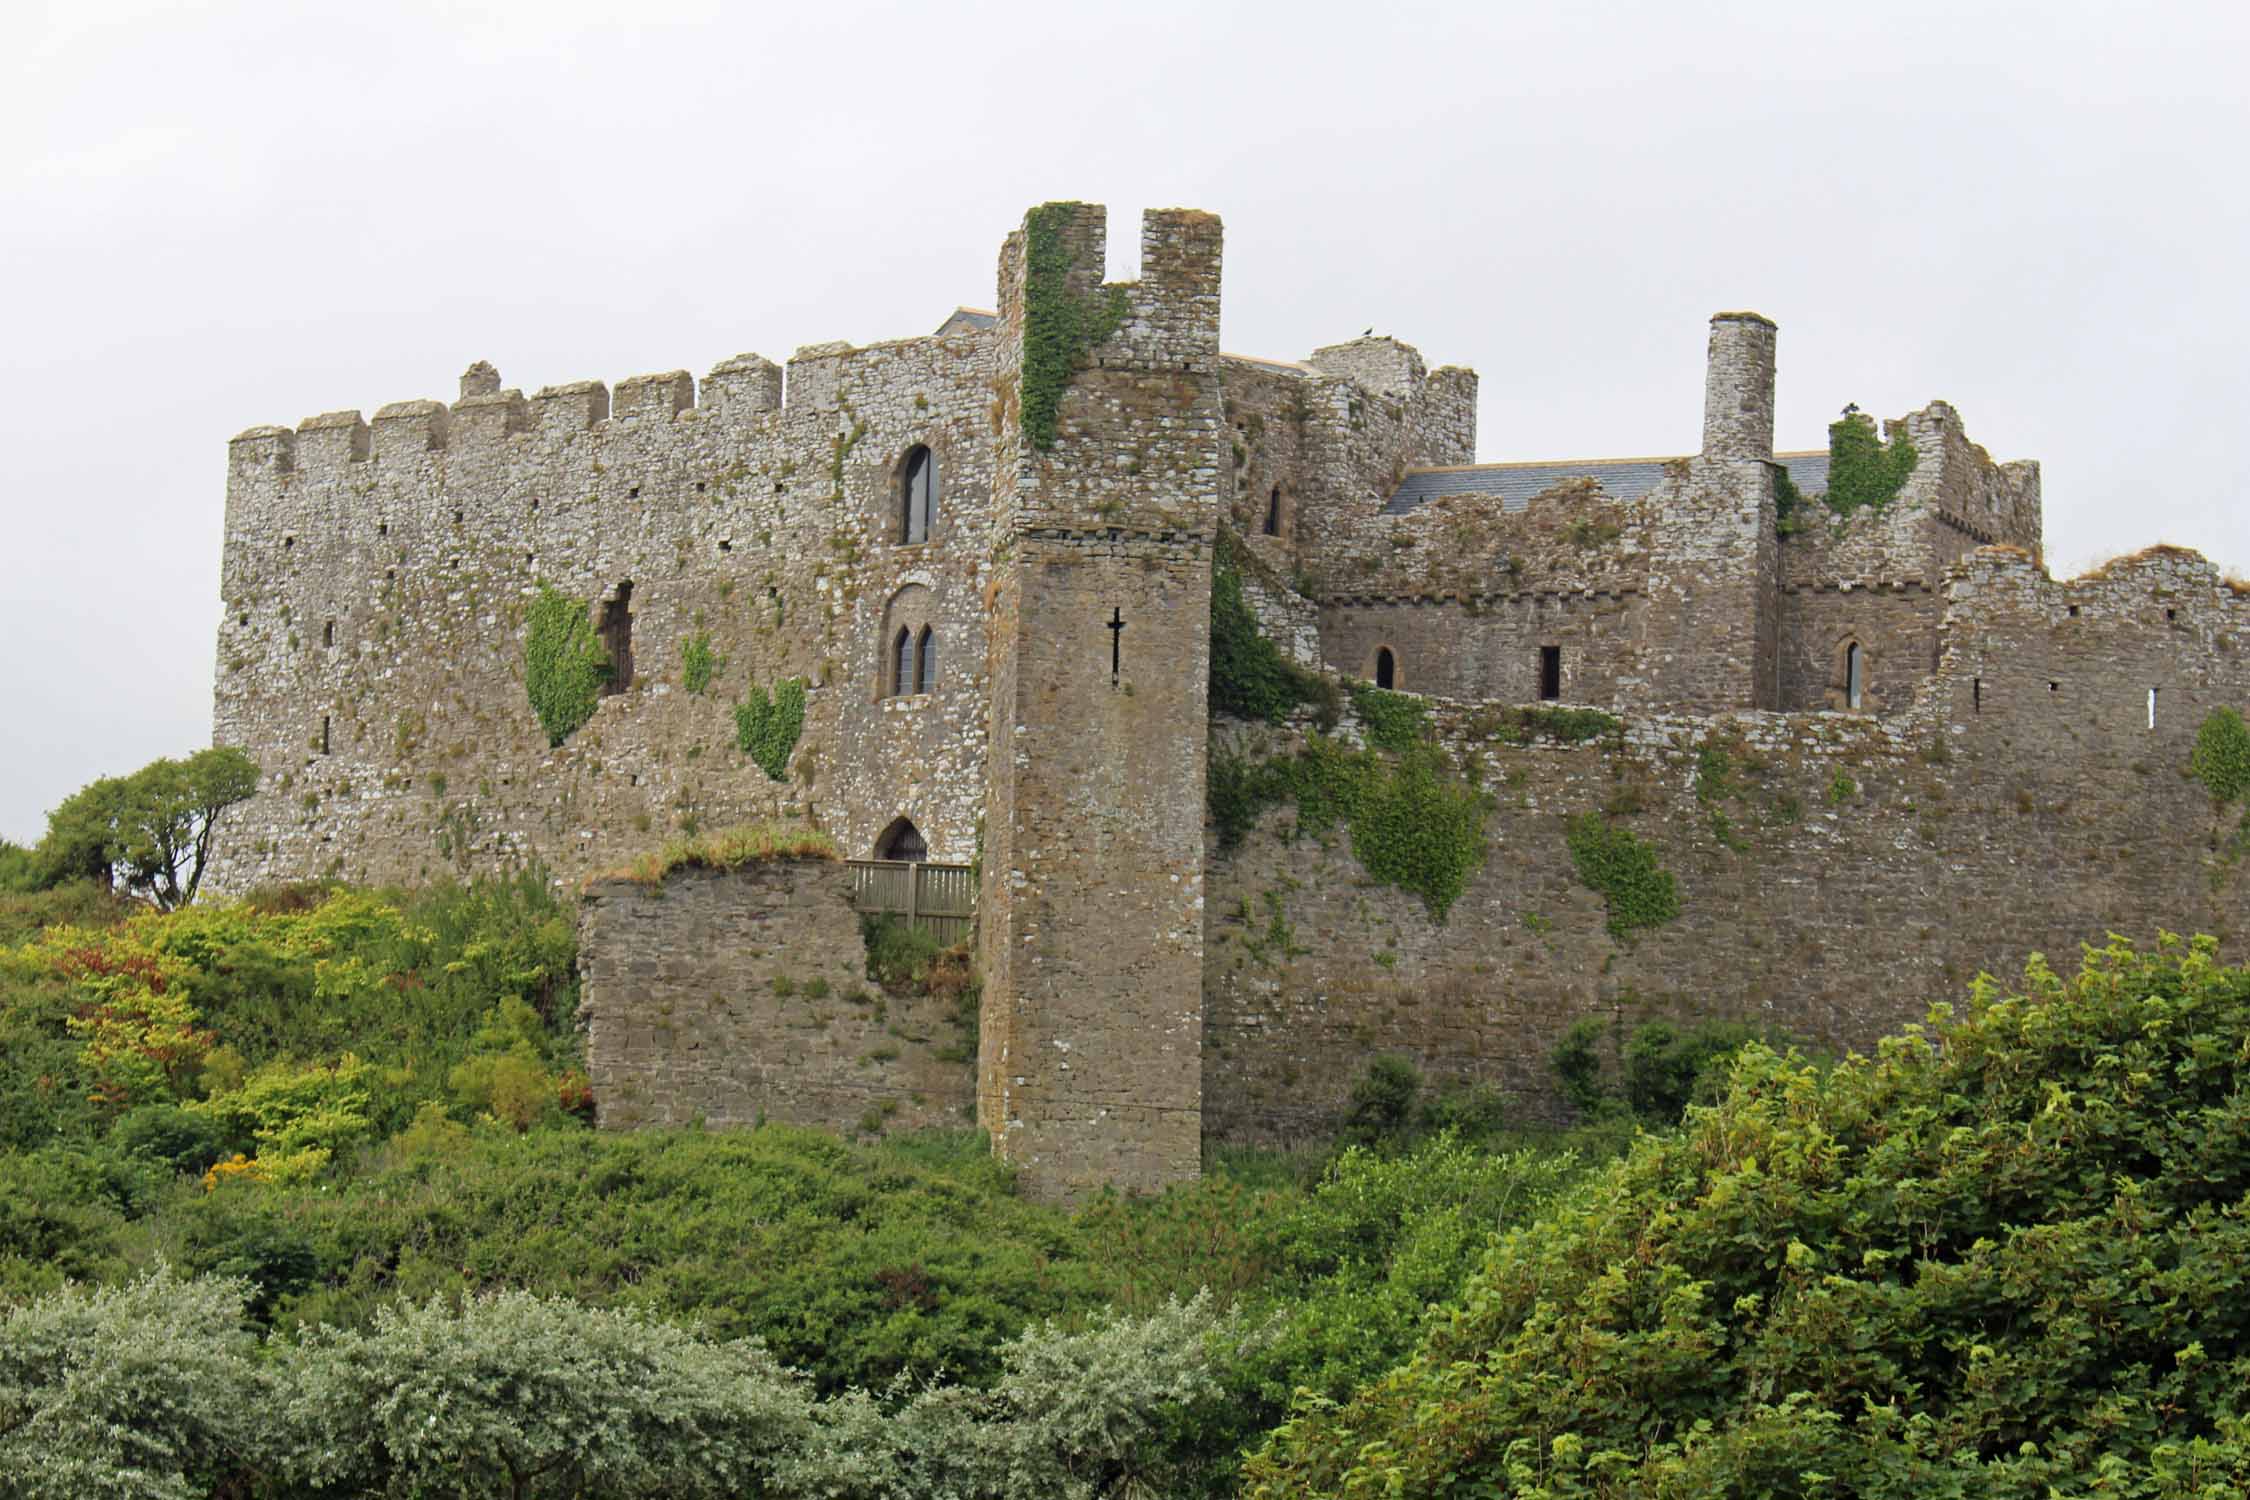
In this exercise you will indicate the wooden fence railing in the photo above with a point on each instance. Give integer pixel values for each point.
(939, 899)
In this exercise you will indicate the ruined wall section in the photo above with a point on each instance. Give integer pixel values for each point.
(735, 998)
(1824, 861)
(377, 578)
(1091, 922)
(1875, 577)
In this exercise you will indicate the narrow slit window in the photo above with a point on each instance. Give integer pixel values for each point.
(925, 661)
(1273, 512)
(1386, 669)
(324, 734)
(617, 638)
(1976, 695)
(917, 496)
(902, 663)
(2152, 708)
(328, 634)
(1550, 672)
(1855, 676)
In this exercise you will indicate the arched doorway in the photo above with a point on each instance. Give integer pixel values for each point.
(902, 840)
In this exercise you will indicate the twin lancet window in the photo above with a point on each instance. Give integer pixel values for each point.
(914, 662)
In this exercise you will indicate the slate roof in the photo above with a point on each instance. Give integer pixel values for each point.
(962, 319)
(1621, 479)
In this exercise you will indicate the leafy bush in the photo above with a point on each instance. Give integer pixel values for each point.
(565, 665)
(1389, 1109)
(1395, 721)
(2000, 1259)
(183, 1140)
(699, 663)
(1864, 472)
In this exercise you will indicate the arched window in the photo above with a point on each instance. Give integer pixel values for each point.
(925, 662)
(1273, 512)
(917, 496)
(902, 840)
(1855, 676)
(902, 663)
(1386, 668)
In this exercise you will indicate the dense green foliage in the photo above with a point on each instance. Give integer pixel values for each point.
(2221, 758)
(565, 665)
(1250, 678)
(1638, 891)
(1396, 722)
(1788, 502)
(1864, 472)
(767, 727)
(699, 662)
(1060, 327)
(149, 832)
(1663, 1067)
(1413, 824)
(2000, 1260)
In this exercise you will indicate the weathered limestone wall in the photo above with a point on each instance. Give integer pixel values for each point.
(2021, 804)
(376, 580)
(743, 996)
(1091, 924)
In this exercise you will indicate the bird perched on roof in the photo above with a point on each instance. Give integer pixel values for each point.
(1851, 408)
(1368, 333)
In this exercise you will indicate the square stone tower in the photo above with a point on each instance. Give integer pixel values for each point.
(1109, 475)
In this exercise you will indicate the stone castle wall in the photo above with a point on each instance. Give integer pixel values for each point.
(1868, 866)
(738, 997)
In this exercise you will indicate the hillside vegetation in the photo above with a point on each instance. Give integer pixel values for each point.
(300, 1193)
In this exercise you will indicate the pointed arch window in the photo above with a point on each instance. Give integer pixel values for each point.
(902, 840)
(917, 495)
(1386, 668)
(902, 662)
(1855, 676)
(925, 661)
(1273, 512)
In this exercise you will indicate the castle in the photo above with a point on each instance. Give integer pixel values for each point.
(1876, 750)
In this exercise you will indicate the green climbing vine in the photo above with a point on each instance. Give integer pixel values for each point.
(564, 664)
(1638, 891)
(1250, 678)
(698, 662)
(2221, 758)
(768, 727)
(1395, 721)
(1412, 823)
(1060, 328)
(1863, 470)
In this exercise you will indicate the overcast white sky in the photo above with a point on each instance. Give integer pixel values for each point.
(218, 215)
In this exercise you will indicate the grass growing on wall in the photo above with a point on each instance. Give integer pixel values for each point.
(727, 849)
(699, 663)
(564, 664)
(1250, 678)
(767, 727)
(1059, 328)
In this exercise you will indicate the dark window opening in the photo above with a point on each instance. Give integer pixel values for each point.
(1550, 672)
(902, 840)
(699, 486)
(634, 493)
(287, 542)
(2171, 614)
(726, 544)
(1273, 512)
(917, 496)
(2074, 611)
(902, 663)
(1855, 676)
(1386, 668)
(459, 516)
(925, 661)
(1976, 695)
(383, 528)
(2054, 687)
(324, 734)
(328, 634)
(617, 638)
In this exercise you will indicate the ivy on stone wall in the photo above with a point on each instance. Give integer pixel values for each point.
(1412, 823)
(2221, 758)
(1638, 891)
(564, 664)
(1395, 721)
(698, 662)
(1250, 678)
(1864, 472)
(767, 727)
(1788, 503)
(1059, 328)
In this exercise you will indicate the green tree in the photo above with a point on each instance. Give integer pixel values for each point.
(150, 831)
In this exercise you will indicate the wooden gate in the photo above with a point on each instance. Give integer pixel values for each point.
(939, 899)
